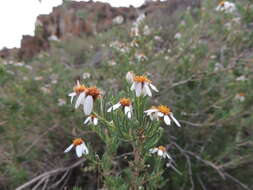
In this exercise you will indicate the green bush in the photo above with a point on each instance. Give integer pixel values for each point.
(205, 76)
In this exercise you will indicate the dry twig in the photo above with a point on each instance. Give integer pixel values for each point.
(222, 173)
(44, 178)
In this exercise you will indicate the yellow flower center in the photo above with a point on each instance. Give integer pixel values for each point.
(125, 101)
(93, 91)
(93, 116)
(77, 141)
(164, 109)
(79, 88)
(222, 3)
(141, 79)
(162, 148)
(135, 41)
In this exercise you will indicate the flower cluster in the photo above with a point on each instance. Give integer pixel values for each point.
(161, 151)
(226, 6)
(142, 86)
(126, 105)
(92, 119)
(240, 96)
(162, 112)
(86, 97)
(80, 146)
(120, 46)
(136, 24)
(141, 57)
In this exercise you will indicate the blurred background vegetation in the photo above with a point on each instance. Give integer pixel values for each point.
(202, 62)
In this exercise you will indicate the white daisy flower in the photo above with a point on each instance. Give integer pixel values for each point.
(152, 115)
(146, 30)
(130, 76)
(87, 99)
(161, 151)
(134, 32)
(92, 119)
(126, 104)
(142, 85)
(134, 43)
(112, 63)
(226, 6)
(162, 112)
(61, 102)
(86, 75)
(240, 97)
(178, 36)
(78, 90)
(80, 146)
(140, 57)
(241, 78)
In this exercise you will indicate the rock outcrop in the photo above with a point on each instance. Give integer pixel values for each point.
(72, 19)
(76, 18)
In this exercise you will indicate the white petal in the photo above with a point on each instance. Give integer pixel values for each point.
(153, 150)
(153, 87)
(150, 111)
(88, 105)
(167, 120)
(143, 92)
(160, 153)
(109, 109)
(80, 100)
(87, 120)
(95, 121)
(133, 86)
(174, 119)
(130, 76)
(129, 115)
(160, 114)
(85, 149)
(168, 156)
(79, 150)
(69, 148)
(114, 107)
(138, 89)
(72, 95)
(147, 90)
(127, 109)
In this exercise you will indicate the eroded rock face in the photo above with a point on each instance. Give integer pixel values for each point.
(72, 19)
(76, 18)
(31, 45)
(6, 53)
